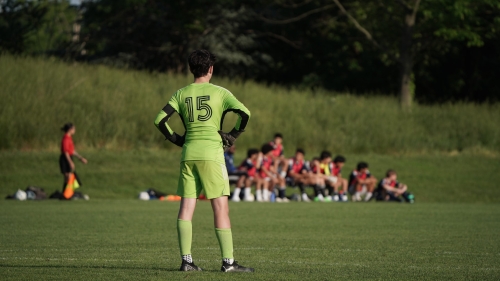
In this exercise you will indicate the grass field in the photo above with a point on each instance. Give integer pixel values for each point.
(132, 240)
(123, 174)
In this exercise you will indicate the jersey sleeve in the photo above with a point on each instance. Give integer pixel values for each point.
(174, 102)
(162, 119)
(234, 105)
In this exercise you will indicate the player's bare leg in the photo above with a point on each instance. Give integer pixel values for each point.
(222, 226)
(258, 189)
(248, 189)
(185, 233)
(237, 190)
(370, 187)
(221, 212)
(344, 188)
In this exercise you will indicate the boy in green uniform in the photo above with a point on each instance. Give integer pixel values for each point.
(202, 107)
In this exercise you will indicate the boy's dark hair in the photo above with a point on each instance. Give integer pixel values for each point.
(362, 165)
(251, 152)
(200, 61)
(390, 172)
(300, 150)
(67, 127)
(339, 159)
(325, 154)
(278, 135)
(266, 148)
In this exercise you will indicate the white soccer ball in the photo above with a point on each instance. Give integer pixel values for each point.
(20, 195)
(143, 196)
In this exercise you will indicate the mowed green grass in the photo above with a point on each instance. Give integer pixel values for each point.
(134, 240)
(123, 174)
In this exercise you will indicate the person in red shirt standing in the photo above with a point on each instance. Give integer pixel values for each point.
(66, 162)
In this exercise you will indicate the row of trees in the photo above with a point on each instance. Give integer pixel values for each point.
(432, 51)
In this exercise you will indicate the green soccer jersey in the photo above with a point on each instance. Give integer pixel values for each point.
(202, 107)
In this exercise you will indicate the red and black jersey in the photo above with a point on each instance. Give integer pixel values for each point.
(297, 166)
(388, 182)
(249, 166)
(355, 175)
(336, 170)
(67, 145)
(278, 149)
(267, 162)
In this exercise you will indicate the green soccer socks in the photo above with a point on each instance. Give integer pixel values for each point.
(225, 237)
(185, 234)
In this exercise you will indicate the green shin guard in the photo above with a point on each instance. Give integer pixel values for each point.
(225, 237)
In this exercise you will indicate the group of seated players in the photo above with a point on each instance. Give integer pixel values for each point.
(269, 171)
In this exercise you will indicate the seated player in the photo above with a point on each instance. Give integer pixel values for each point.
(269, 177)
(337, 180)
(300, 173)
(389, 189)
(278, 156)
(232, 171)
(319, 187)
(250, 166)
(361, 182)
(326, 171)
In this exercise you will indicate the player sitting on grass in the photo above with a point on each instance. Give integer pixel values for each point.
(233, 172)
(339, 183)
(250, 166)
(279, 160)
(269, 177)
(361, 182)
(300, 173)
(319, 187)
(201, 106)
(389, 189)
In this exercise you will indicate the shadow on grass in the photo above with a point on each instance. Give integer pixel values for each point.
(97, 267)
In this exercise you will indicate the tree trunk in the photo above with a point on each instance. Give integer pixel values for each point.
(407, 89)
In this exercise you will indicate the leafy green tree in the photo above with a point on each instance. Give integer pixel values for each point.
(18, 19)
(402, 33)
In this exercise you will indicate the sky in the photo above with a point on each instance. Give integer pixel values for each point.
(75, 2)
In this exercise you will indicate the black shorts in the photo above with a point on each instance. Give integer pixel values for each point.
(64, 164)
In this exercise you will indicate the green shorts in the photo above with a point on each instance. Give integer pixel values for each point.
(207, 176)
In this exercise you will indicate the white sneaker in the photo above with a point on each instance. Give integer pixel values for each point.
(336, 198)
(344, 198)
(259, 196)
(279, 200)
(320, 197)
(285, 200)
(305, 198)
(356, 197)
(249, 198)
(235, 198)
(368, 196)
(265, 195)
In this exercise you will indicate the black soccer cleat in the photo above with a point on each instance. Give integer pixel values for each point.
(187, 266)
(235, 267)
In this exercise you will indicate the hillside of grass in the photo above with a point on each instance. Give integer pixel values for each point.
(116, 108)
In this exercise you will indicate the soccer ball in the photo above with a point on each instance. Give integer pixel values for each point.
(144, 196)
(20, 195)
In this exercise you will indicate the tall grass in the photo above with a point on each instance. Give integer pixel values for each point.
(116, 108)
